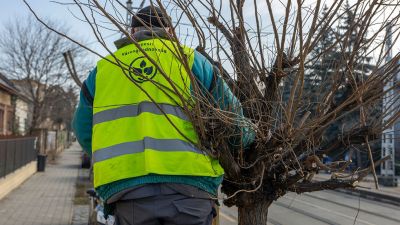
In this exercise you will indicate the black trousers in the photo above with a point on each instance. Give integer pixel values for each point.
(172, 209)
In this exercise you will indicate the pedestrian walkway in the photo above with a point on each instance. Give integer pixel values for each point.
(366, 189)
(368, 184)
(47, 197)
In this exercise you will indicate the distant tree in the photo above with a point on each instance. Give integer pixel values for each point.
(321, 75)
(33, 56)
(326, 81)
(59, 105)
(357, 63)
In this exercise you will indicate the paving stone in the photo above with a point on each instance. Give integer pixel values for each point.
(80, 215)
(47, 197)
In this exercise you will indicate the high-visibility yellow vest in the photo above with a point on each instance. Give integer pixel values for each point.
(134, 136)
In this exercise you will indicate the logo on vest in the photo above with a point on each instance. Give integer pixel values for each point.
(141, 70)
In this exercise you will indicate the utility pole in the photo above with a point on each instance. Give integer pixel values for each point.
(129, 11)
(390, 103)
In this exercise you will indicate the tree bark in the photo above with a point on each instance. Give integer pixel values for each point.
(255, 214)
(35, 117)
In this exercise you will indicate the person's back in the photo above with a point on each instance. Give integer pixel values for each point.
(139, 127)
(143, 145)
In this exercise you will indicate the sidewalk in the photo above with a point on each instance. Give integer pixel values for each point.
(45, 198)
(368, 184)
(368, 190)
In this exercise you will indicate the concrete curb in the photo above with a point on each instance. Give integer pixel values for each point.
(372, 195)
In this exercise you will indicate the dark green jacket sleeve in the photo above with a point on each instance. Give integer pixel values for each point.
(209, 79)
(82, 122)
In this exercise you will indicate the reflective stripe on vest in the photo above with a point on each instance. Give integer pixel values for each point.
(134, 136)
(135, 110)
(163, 145)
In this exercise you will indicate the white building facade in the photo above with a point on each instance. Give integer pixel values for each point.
(391, 106)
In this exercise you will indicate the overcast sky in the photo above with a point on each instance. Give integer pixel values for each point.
(16, 9)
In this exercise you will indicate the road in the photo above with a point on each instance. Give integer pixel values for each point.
(323, 207)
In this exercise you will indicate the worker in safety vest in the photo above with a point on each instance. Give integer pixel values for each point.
(147, 170)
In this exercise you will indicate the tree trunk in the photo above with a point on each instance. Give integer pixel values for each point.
(35, 118)
(255, 214)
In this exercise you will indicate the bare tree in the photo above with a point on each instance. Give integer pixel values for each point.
(33, 56)
(256, 52)
(59, 105)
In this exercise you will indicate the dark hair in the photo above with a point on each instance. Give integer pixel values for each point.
(151, 16)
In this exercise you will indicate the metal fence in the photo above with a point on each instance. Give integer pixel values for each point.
(15, 153)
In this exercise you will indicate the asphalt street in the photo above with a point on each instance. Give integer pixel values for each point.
(323, 207)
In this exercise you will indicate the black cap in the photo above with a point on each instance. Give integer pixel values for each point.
(152, 16)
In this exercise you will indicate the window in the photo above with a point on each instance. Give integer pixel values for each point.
(1, 121)
(390, 165)
(390, 151)
(10, 121)
(26, 126)
(390, 138)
